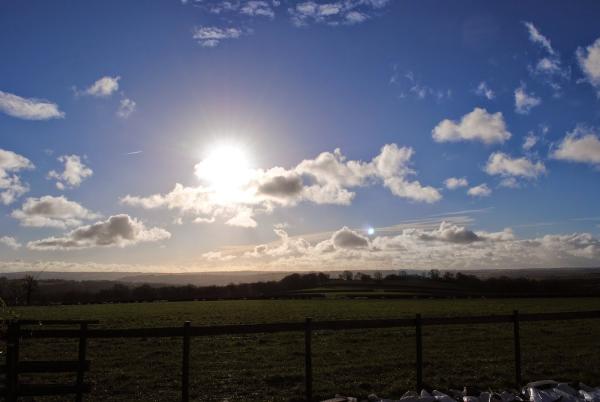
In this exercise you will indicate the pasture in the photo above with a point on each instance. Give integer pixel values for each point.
(356, 362)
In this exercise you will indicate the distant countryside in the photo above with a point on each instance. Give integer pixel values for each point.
(353, 362)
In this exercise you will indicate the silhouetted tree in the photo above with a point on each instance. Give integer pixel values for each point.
(448, 276)
(30, 285)
(363, 277)
(346, 275)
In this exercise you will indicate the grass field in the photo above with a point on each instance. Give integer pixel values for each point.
(358, 362)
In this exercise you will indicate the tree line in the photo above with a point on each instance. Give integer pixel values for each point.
(433, 283)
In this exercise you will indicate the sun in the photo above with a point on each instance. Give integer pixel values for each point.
(226, 170)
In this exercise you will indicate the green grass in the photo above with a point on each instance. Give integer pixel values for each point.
(270, 367)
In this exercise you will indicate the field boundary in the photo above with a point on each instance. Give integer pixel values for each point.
(18, 330)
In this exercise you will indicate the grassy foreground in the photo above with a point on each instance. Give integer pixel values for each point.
(270, 367)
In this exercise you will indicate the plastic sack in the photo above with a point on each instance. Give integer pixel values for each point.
(585, 388)
(590, 396)
(441, 397)
(509, 397)
(544, 395)
(410, 396)
(426, 397)
(564, 387)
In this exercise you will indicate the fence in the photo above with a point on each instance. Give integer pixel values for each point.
(16, 332)
(14, 367)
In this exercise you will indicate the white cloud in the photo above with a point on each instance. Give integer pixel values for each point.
(29, 108)
(452, 183)
(589, 61)
(243, 218)
(257, 8)
(580, 145)
(548, 67)
(524, 102)
(478, 125)
(102, 88)
(326, 179)
(530, 141)
(211, 36)
(74, 173)
(416, 88)
(334, 173)
(11, 186)
(481, 190)
(485, 91)
(49, 211)
(116, 231)
(412, 190)
(344, 12)
(10, 242)
(245, 8)
(286, 246)
(502, 164)
(126, 108)
(234, 14)
(536, 37)
(509, 182)
(355, 17)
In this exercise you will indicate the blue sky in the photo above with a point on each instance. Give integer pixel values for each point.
(468, 134)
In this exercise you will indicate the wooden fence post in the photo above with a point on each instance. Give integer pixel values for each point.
(517, 343)
(185, 366)
(308, 359)
(82, 356)
(419, 338)
(12, 361)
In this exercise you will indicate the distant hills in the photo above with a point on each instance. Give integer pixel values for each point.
(221, 278)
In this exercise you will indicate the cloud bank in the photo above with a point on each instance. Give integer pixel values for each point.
(327, 179)
(446, 246)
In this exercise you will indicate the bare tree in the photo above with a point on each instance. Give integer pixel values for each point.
(346, 275)
(30, 285)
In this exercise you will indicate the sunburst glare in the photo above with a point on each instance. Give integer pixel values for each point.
(226, 170)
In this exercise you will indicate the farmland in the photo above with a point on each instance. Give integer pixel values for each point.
(357, 362)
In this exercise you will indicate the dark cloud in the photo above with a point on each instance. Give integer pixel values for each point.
(451, 233)
(282, 186)
(347, 238)
(118, 230)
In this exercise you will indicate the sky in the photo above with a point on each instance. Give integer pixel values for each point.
(200, 135)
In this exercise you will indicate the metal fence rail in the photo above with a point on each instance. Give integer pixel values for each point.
(17, 331)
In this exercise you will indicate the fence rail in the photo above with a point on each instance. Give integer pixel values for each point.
(308, 327)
